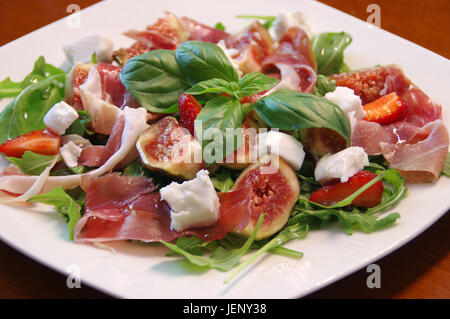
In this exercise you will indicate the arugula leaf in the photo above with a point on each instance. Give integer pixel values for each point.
(219, 26)
(26, 112)
(155, 80)
(323, 85)
(255, 82)
(80, 125)
(63, 203)
(446, 168)
(221, 259)
(200, 61)
(269, 20)
(70, 171)
(32, 163)
(329, 49)
(41, 71)
(218, 115)
(290, 110)
(192, 245)
(289, 233)
(222, 180)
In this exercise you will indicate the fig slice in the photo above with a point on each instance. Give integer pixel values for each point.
(275, 189)
(168, 148)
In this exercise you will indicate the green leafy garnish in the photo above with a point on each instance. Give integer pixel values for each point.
(222, 180)
(268, 20)
(41, 71)
(26, 112)
(219, 26)
(155, 80)
(32, 163)
(446, 169)
(323, 85)
(328, 48)
(221, 259)
(64, 204)
(80, 125)
(291, 110)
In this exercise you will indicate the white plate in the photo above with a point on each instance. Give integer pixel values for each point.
(142, 271)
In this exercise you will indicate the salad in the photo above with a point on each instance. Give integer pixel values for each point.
(218, 145)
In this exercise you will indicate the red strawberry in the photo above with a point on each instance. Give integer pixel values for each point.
(39, 141)
(385, 110)
(189, 109)
(334, 192)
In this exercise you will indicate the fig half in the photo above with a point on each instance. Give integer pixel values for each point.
(168, 148)
(275, 189)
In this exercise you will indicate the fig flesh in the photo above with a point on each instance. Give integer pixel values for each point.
(274, 189)
(168, 148)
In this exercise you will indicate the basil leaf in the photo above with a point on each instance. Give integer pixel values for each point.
(323, 85)
(31, 163)
(215, 86)
(291, 110)
(200, 61)
(218, 115)
(63, 203)
(154, 80)
(26, 112)
(41, 71)
(269, 20)
(253, 83)
(329, 49)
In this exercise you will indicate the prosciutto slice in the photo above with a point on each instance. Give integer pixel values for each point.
(123, 207)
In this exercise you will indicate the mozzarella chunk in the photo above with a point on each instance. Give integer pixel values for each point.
(193, 203)
(286, 20)
(283, 145)
(82, 49)
(348, 101)
(341, 165)
(60, 117)
(230, 53)
(70, 153)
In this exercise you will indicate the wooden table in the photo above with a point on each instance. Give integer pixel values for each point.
(420, 269)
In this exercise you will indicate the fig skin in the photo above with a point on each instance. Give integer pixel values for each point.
(242, 157)
(273, 194)
(321, 141)
(156, 144)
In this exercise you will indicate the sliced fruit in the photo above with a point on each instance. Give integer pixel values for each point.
(189, 109)
(76, 77)
(334, 192)
(42, 142)
(387, 109)
(167, 147)
(321, 141)
(245, 154)
(275, 190)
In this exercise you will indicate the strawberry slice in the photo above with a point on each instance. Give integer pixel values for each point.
(189, 109)
(334, 192)
(387, 109)
(40, 141)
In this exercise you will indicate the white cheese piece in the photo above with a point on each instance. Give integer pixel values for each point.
(283, 145)
(193, 203)
(70, 153)
(286, 20)
(77, 140)
(60, 117)
(82, 49)
(230, 53)
(341, 165)
(347, 100)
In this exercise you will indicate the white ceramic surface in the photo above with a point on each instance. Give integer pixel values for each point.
(144, 271)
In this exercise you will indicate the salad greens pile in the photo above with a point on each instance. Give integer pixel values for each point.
(156, 80)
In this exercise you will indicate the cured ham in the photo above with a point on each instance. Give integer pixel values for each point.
(200, 32)
(418, 144)
(123, 207)
(295, 51)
